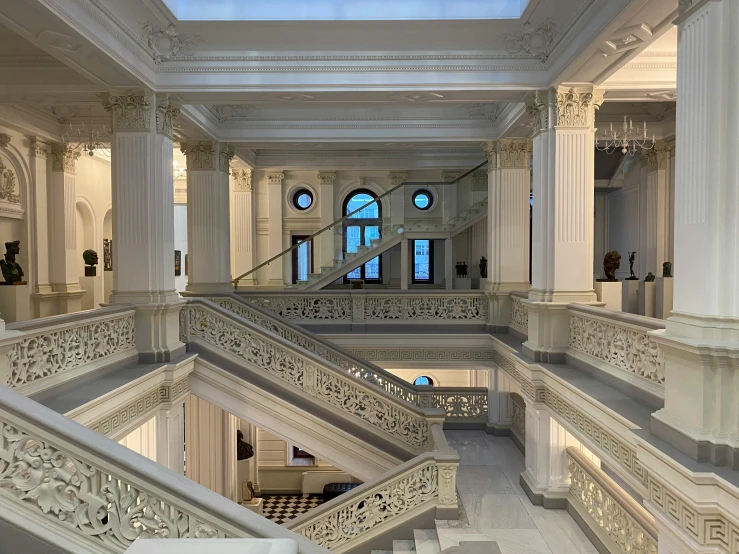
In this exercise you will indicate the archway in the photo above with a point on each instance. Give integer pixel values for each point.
(361, 228)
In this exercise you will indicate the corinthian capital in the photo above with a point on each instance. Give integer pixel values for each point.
(575, 106)
(515, 153)
(63, 157)
(490, 149)
(242, 180)
(657, 157)
(130, 111)
(166, 114)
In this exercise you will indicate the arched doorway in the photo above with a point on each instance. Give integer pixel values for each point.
(360, 229)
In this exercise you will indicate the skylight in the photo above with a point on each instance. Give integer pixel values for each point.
(344, 10)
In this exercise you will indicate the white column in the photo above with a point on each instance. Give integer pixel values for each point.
(656, 161)
(44, 299)
(509, 184)
(562, 242)
(701, 342)
(500, 406)
(143, 220)
(210, 446)
(65, 281)
(243, 228)
(404, 264)
(397, 198)
(170, 424)
(449, 264)
(208, 224)
(325, 244)
(275, 240)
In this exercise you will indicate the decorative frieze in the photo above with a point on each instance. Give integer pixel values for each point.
(275, 177)
(63, 157)
(326, 177)
(129, 112)
(4, 140)
(166, 113)
(242, 180)
(515, 154)
(398, 178)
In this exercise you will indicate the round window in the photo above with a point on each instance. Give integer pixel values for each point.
(424, 381)
(302, 199)
(422, 199)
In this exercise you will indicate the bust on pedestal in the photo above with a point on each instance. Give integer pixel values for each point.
(89, 282)
(14, 302)
(609, 290)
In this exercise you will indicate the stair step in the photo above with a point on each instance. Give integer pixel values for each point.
(404, 547)
(427, 541)
(381, 552)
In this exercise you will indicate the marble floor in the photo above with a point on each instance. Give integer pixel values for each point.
(495, 507)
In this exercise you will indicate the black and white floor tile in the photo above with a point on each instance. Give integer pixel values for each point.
(282, 508)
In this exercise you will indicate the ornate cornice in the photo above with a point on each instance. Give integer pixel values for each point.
(326, 177)
(242, 180)
(4, 140)
(275, 177)
(515, 153)
(207, 155)
(658, 157)
(166, 113)
(129, 112)
(398, 178)
(39, 149)
(63, 157)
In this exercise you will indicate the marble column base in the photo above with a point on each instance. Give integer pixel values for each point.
(43, 303)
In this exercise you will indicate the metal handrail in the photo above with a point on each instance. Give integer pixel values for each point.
(338, 221)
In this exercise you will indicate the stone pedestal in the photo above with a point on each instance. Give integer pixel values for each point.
(14, 303)
(647, 298)
(256, 505)
(462, 283)
(664, 297)
(93, 288)
(630, 296)
(610, 293)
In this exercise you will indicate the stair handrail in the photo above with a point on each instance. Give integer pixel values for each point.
(341, 220)
(111, 495)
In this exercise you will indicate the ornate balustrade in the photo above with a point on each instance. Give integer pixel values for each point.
(519, 417)
(628, 526)
(620, 344)
(93, 495)
(459, 403)
(427, 482)
(519, 313)
(203, 321)
(376, 307)
(44, 352)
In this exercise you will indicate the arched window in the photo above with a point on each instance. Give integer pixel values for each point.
(360, 229)
(424, 381)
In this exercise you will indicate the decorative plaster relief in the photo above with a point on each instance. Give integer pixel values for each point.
(519, 315)
(242, 180)
(576, 108)
(534, 40)
(9, 191)
(63, 157)
(657, 157)
(165, 44)
(129, 111)
(488, 111)
(515, 154)
(165, 116)
(4, 140)
(226, 153)
(490, 149)
(480, 181)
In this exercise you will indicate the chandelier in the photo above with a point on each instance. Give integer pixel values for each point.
(85, 138)
(178, 173)
(628, 139)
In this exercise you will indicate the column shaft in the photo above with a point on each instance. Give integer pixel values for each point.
(657, 208)
(208, 223)
(243, 225)
(449, 264)
(325, 244)
(404, 264)
(171, 438)
(275, 240)
(43, 297)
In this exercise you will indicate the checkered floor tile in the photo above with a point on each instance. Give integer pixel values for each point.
(283, 508)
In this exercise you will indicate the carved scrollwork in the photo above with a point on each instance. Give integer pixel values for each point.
(617, 523)
(624, 348)
(44, 354)
(242, 180)
(307, 307)
(534, 40)
(166, 114)
(377, 506)
(519, 316)
(457, 405)
(63, 157)
(101, 506)
(166, 43)
(9, 191)
(425, 308)
(519, 421)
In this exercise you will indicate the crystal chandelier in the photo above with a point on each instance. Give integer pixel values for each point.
(178, 173)
(628, 139)
(85, 138)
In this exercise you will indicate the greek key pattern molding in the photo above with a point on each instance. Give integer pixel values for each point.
(318, 382)
(102, 507)
(625, 532)
(45, 354)
(377, 506)
(620, 346)
(519, 316)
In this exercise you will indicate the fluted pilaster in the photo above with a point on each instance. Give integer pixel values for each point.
(242, 222)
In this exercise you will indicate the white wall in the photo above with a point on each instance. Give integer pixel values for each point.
(180, 243)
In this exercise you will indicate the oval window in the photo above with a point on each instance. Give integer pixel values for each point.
(422, 199)
(303, 199)
(424, 381)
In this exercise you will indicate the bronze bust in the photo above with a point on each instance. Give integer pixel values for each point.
(91, 260)
(611, 262)
(12, 272)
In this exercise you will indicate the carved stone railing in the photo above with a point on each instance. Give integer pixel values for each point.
(627, 525)
(427, 482)
(201, 320)
(376, 307)
(459, 403)
(519, 313)
(90, 494)
(519, 417)
(42, 353)
(618, 343)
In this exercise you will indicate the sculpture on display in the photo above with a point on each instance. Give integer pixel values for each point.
(91, 260)
(667, 269)
(107, 255)
(611, 262)
(461, 269)
(250, 491)
(244, 450)
(483, 268)
(649, 278)
(12, 272)
(632, 258)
